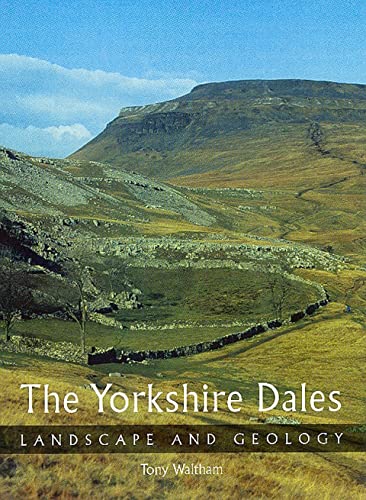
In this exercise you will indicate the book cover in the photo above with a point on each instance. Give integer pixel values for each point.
(182, 249)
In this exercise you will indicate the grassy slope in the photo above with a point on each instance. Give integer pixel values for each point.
(263, 158)
(208, 299)
(313, 354)
(321, 201)
(305, 196)
(326, 352)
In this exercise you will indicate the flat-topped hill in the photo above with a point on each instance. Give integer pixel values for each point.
(226, 133)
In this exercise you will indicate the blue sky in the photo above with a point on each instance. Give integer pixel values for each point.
(67, 67)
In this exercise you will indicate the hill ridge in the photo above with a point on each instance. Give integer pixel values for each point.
(224, 127)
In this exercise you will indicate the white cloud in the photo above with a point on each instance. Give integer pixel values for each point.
(97, 78)
(63, 107)
(48, 141)
(36, 93)
(76, 131)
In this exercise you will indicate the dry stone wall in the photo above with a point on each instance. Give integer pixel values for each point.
(66, 351)
(114, 355)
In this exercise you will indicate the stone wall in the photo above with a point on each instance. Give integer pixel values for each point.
(114, 355)
(66, 351)
(63, 351)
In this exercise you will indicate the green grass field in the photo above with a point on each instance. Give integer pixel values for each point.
(105, 336)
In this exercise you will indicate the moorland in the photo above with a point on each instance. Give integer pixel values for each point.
(185, 221)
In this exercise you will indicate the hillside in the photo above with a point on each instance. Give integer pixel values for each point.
(215, 134)
(298, 145)
(193, 220)
(44, 186)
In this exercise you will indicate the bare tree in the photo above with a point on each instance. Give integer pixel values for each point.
(15, 294)
(77, 308)
(280, 291)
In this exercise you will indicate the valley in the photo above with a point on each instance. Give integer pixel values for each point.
(236, 205)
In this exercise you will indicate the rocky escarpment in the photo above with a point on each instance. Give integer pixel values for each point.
(24, 240)
(154, 123)
(214, 110)
(172, 253)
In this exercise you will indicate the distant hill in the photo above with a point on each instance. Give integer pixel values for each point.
(231, 133)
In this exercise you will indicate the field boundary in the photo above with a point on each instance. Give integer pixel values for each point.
(114, 355)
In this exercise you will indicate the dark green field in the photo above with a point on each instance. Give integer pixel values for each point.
(191, 305)
(208, 295)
